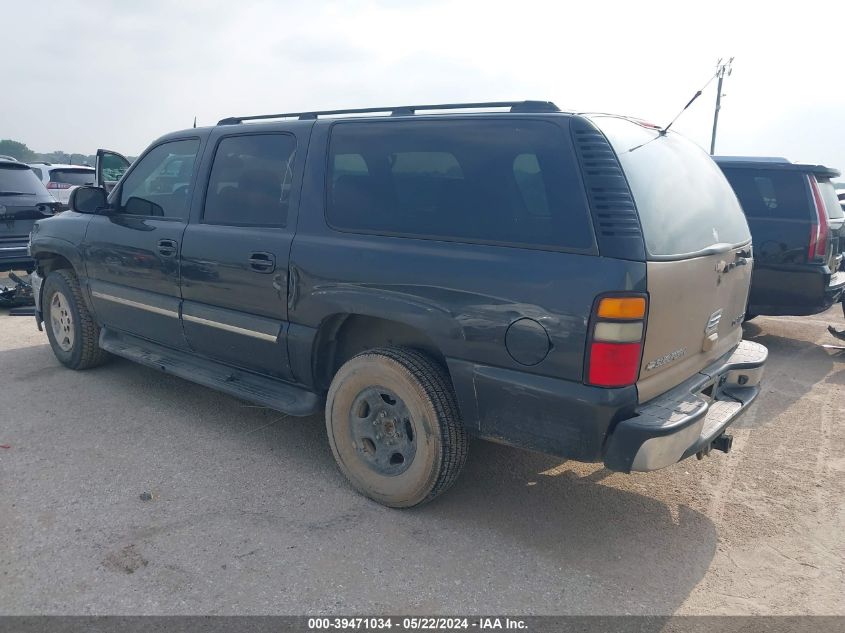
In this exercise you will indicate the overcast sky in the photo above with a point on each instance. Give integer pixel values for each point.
(76, 75)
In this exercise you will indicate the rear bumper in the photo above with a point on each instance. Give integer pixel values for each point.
(687, 419)
(799, 294)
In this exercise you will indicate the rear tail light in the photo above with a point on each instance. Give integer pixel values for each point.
(819, 228)
(59, 185)
(615, 346)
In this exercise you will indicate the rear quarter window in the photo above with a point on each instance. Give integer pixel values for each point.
(684, 202)
(831, 202)
(771, 193)
(510, 182)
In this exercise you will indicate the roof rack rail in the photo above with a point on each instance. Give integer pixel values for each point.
(515, 106)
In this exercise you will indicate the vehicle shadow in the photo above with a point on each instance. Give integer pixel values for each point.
(794, 367)
(519, 532)
(630, 553)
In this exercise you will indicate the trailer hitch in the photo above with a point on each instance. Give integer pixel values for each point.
(723, 442)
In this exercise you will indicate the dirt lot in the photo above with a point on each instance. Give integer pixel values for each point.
(248, 514)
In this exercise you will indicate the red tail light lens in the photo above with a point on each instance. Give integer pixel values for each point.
(819, 229)
(615, 346)
(614, 364)
(59, 185)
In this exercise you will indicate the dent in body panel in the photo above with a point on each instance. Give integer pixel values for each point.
(463, 296)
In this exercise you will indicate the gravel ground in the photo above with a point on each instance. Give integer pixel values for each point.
(245, 511)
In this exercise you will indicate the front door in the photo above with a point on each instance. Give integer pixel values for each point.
(109, 168)
(132, 250)
(235, 256)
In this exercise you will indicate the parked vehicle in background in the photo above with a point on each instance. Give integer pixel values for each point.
(797, 225)
(8, 158)
(523, 276)
(23, 200)
(841, 195)
(61, 179)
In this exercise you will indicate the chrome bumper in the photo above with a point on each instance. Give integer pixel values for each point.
(687, 419)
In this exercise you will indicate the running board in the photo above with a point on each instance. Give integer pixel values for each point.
(261, 390)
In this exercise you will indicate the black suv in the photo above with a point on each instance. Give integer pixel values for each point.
(23, 199)
(799, 236)
(567, 283)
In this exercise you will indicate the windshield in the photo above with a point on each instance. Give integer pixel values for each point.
(73, 176)
(19, 179)
(684, 202)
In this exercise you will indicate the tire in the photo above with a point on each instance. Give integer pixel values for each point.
(73, 333)
(404, 453)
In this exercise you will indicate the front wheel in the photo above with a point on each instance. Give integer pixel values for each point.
(71, 329)
(394, 427)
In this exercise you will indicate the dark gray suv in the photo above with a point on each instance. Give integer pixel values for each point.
(567, 283)
(23, 199)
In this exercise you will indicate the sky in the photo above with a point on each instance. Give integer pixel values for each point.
(117, 74)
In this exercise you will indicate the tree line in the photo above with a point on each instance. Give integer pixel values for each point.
(20, 151)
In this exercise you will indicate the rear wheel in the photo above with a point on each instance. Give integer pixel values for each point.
(394, 427)
(71, 329)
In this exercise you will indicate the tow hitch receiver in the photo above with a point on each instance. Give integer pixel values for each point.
(722, 443)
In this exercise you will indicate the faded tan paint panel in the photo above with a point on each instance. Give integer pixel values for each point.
(683, 298)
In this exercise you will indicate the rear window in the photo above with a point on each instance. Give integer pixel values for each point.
(21, 180)
(831, 202)
(684, 202)
(73, 176)
(503, 182)
(770, 193)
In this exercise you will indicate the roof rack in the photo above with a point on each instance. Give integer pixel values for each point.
(515, 106)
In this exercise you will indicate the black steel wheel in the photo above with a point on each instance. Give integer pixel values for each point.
(394, 427)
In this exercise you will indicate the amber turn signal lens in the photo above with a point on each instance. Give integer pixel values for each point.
(622, 308)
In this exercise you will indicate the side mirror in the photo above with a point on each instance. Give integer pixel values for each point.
(87, 199)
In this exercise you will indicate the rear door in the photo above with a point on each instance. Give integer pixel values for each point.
(235, 251)
(698, 248)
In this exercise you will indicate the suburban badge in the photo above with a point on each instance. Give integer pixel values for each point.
(666, 358)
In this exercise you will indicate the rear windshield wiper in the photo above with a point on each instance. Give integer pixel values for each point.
(16, 193)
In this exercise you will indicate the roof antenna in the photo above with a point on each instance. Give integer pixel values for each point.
(195, 121)
(662, 131)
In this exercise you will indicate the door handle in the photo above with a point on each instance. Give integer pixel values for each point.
(167, 248)
(262, 262)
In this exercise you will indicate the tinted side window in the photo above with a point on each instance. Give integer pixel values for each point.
(831, 202)
(151, 190)
(251, 180)
(509, 182)
(73, 176)
(37, 172)
(768, 193)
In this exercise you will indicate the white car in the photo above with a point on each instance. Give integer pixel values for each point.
(60, 180)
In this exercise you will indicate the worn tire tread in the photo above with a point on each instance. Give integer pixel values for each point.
(92, 354)
(436, 384)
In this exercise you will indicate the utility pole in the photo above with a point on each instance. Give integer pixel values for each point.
(722, 69)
